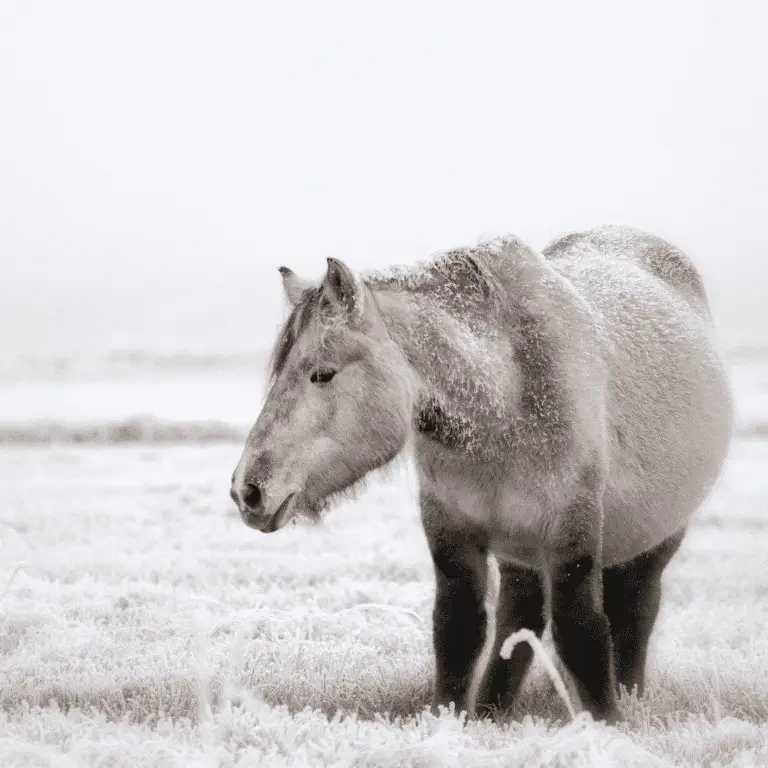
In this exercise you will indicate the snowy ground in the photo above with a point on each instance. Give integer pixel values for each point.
(146, 625)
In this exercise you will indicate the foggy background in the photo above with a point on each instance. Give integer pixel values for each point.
(159, 160)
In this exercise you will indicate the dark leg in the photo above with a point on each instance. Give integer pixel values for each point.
(459, 617)
(631, 597)
(521, 605)
(582, 634)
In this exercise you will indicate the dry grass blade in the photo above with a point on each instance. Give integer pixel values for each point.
(22, 564)
(526, 636)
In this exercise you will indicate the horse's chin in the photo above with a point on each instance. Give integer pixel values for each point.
(302, 507)
(313, 503)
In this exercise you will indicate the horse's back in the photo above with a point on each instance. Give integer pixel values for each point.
(667, 406)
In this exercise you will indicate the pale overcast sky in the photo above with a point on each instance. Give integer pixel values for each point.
(159, 160)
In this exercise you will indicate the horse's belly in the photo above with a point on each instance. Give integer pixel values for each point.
(636, 525)
(652, 494)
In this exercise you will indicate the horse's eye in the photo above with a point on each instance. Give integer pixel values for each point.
(322, 376)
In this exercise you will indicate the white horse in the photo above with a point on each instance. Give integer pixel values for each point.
(568, 411)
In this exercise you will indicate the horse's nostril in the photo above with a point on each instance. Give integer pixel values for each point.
(252, 495)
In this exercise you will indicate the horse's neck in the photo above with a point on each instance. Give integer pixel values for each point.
(462, 366)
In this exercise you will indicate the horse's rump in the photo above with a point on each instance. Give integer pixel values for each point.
(658, 256)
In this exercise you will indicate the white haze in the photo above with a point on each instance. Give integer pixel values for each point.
(159, 160)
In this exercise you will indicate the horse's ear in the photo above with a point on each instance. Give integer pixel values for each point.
(343, 287)
(294, 286)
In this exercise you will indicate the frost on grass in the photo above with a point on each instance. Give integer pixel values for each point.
(148, 626)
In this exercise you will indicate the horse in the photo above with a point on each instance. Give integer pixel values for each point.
(567, 411)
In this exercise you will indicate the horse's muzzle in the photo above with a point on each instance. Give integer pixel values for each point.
(257, 519)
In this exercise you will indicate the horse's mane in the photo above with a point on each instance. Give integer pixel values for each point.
(458, 273)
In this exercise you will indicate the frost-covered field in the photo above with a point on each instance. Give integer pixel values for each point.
(148, 626)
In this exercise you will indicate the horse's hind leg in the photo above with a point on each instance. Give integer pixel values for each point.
(520, 606)
(459, 618)
(631, 599)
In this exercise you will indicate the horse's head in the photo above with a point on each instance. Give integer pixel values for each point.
(339, 405)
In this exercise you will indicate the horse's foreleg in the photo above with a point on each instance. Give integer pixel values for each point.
(459, 617)
(631, 596)
(520, 606)
(582, 633)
